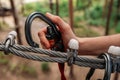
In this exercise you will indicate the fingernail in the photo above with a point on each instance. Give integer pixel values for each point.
(49, 14)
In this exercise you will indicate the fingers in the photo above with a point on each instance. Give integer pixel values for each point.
(43, 39)
(58, 21)
(63, 27)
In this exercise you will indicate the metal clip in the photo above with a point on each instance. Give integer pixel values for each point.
(71, 56)
(72, 51)
(108, 67)
(9, 41)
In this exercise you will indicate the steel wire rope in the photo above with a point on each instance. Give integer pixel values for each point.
(50, 59)
(56, 53)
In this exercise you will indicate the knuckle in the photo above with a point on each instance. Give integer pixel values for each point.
(39, 33)
(67, 27)
(57, 18)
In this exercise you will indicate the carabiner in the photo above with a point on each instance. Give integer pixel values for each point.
(108, 68)
(52, 33)
(28, 24)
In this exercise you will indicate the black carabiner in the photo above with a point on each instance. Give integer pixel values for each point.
(28, 24)
(52, 33)
(108, 68)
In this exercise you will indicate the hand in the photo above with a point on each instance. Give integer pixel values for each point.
(64, 29)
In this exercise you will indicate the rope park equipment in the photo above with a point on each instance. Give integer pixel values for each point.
(52, 34)
(109, 62)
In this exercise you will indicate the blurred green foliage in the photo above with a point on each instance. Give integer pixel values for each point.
(96, 15)
(41, 7)
(35, 7)
(3, 25)
(84, 31)
(91, 12)
(23, 69)
(117, 29)
(16, 68)
(3, 60)
(63, 8)
(26, 69)
(45, 67)
(82, 4)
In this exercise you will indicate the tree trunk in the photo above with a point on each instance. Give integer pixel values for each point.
(16, 21)
(108, 17)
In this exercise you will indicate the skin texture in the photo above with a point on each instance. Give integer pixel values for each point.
(87, 46)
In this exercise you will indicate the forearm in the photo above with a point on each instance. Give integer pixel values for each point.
(97, 45)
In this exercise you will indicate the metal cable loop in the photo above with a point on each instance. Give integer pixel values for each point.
(36, 57)
(40, 51)
(17, 50)
(92, 65)
(56, 54)
(59, 60)
(91, 60)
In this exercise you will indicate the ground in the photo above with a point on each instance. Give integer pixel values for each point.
(12, 70)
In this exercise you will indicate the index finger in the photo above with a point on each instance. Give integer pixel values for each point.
(42, 37)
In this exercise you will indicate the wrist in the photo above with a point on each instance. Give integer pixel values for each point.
(85, 47)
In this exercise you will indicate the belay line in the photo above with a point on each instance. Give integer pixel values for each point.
(109, 62)
(58, 56)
